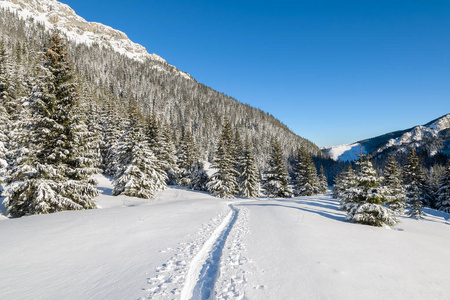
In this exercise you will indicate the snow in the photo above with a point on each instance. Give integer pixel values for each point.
(296, 248)
(346, 152)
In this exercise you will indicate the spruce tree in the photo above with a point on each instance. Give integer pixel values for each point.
(161, 144)
(139, 173)
(112, 130)
(4, 124)
(249, 177)
(7, 94)
(413, 178)
(199, 178)
(223, 183)
(364, 202)
(168, 155)
(52, 169)
(443, 194)
(343, 182)
(306, 182)
(276, 178)
(187, 157)
(392, 181)
(323, 182)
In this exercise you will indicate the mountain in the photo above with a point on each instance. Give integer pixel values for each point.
(432, 138)
(112, 70)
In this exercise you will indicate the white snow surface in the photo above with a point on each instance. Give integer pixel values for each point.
(56, 15)
(296, 248)
(346, 152)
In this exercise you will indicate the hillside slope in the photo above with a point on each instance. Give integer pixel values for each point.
(114, 70)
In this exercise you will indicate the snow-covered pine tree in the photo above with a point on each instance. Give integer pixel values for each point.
(223, 183)
(343, 182)
(396, 198)
(52, 171)
(4, 124)
(323, 182)
(139, 173)
(152, 132)
(5, 121)
(276, 178)
(306, 181)
(238, 152)
(443, 194)
(413, 178)
(249, 177)
(199, 178)
(168, 155)
(90, 112)
(364, 201)
(112, 130)
(187, 157)
(160, 142)
(7, 95)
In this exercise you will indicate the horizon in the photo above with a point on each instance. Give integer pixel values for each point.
(350, 70)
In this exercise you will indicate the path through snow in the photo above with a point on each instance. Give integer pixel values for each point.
(196, 266)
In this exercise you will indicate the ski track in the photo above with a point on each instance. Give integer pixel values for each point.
(171, 276)
(234, 265)
(182, 270)
(203, 270)
(213, 266)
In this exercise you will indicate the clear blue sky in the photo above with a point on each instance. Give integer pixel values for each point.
(334, 71)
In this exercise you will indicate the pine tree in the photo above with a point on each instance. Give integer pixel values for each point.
(112, 130)
(249, 177)
(187, 157)
(443, 194)
(91, 112)
(223, 183)
(139, 173)
(4, 124)
(168, 155)
(323, 182)
(51, 172)
(161, 144)
(7, 95)
(393, 183)
(276, 178)
(199, 178)
(364, 201)
(306, 182)
(343, 182)
(413, 178)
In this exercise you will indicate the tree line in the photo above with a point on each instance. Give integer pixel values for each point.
(53, 139)
(377, 200)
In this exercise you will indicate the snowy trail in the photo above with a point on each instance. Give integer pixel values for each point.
(203, 269)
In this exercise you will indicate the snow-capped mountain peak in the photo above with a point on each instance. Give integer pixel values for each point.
(433, 136)
(56, 15)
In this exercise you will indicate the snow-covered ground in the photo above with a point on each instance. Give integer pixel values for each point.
(187, 243)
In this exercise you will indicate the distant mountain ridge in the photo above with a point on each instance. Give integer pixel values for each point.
(432, 137)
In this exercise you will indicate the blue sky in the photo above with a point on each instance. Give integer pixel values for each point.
(334, 72)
